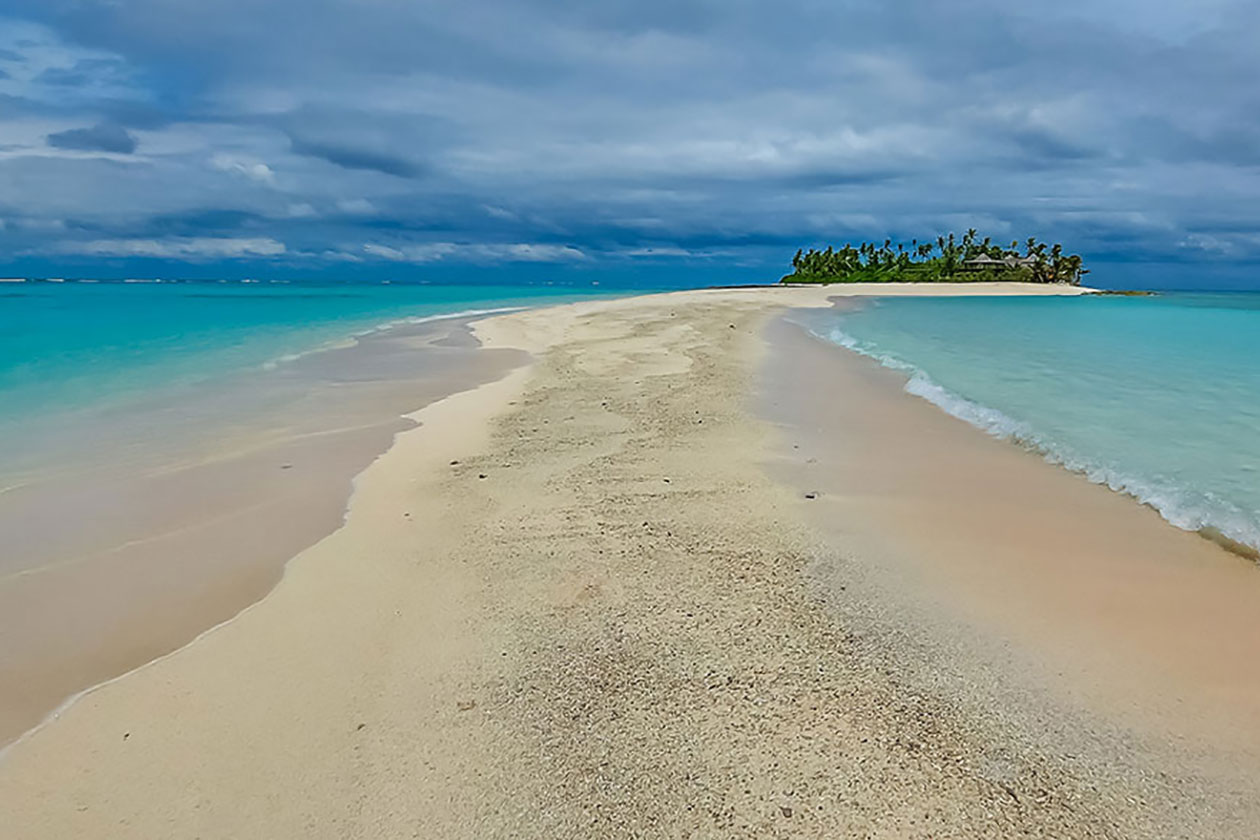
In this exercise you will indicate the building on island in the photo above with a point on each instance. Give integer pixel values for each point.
(984, 261)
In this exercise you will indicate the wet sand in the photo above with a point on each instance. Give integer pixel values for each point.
(126, 551)
(1111, 633)
(574, 602)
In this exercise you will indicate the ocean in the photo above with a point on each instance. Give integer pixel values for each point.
(73, 354)
(67, 346)
(1157, 397)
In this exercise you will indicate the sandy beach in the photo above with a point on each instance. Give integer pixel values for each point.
(129, 549)
(691, 573)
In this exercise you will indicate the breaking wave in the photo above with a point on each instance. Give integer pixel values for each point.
(1190, 510)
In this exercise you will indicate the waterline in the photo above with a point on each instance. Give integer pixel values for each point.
(1155, 398)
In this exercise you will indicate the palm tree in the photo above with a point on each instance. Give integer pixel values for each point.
(919, 260)
(1072, 269)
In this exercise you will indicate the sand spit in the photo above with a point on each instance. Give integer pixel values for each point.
(570, 603)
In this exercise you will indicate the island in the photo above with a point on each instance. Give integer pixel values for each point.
(947, 260)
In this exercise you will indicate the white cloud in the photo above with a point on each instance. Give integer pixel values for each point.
(337, 256)
(300, 210)
(251, 169)
(176, 248)
(478, 252)
(356, 206)
(530, 252)
(662, 251)
(385, 252)
(1225, 244)
(38, 225)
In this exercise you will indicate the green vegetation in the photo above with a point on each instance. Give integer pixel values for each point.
(947, 260)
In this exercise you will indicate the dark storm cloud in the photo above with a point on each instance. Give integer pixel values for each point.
(85, 72)
(98, 138)
(415, 132)
(196, 222)
(351, 157)
(354, 138)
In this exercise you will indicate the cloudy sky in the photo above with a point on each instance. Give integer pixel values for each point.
(416, 139)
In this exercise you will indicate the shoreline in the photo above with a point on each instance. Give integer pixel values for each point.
(193, 541)
(1028, 578)
(997, 424)
(531, 600)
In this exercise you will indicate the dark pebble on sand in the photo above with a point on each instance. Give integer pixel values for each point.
(811, 495)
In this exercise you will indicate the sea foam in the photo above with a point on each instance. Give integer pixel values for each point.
(1188, 509)
(384, 326)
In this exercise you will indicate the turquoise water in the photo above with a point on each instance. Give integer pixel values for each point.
(1156, 397)
(77, 346)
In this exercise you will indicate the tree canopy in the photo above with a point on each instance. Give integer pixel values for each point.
(945, 260)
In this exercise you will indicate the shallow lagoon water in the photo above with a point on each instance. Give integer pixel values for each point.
(1158, 397)
(86, 356)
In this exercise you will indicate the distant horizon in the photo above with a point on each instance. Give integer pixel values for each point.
(1155, 277)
